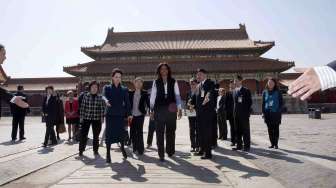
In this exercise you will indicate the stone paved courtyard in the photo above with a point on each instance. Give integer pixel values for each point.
(306, 158)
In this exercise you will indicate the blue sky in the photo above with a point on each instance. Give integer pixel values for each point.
(42, 36)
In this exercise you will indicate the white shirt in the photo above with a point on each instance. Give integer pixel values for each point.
(238, 88)
(13, 99)
(176, 90)
(48, 97)
(218, 100)
(136, 100)
(327, 77)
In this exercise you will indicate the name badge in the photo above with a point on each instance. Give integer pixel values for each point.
(202, 93)
(240, 99)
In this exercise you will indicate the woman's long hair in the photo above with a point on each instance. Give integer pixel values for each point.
(158, 70)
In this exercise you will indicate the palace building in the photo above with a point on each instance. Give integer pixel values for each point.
(222, 52)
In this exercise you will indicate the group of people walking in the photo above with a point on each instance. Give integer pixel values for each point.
(207, 110)
(207, 106)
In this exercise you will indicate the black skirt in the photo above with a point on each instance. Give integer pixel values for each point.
(72, 121)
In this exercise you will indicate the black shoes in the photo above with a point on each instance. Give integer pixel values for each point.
(53, 143)
(206, 157)
(108, 159)
(276, 147)
(199, 154)
(80, 153)
(124, 153)
(237, 148)
(246, 149)
(22, 138)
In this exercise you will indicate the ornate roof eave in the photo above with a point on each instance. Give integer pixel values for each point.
(82, 71)
(94, 53)
(97, 74)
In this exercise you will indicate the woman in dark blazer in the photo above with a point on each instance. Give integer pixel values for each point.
(118, 106)
(60, 115)
(272, 108)
(49, 110)
(139, 101)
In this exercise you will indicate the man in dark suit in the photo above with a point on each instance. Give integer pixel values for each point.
(139, 100)
(221, 114)
(242, 111)
(4, 94)
(229, 112)
(19, 115)
(49, 109)
(205, 104)
(312, 80)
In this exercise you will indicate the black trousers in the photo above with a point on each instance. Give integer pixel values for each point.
(57, 129)
(243, 132)
(151, 130)
(221, 120)
(50, 133)
(96, 128)
(193, 132)
(273, 132)
(233, 129)
(136, 132)
(18, 122)
(205, 121)
(165, 123)
(214, 130)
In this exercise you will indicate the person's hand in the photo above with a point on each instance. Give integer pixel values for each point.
(108, 104)
(206, 100)
(130, 118)
(304, 86)
(179, 114)
(19, 102)
(151, 115)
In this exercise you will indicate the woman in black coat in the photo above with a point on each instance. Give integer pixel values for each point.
(117, 101)
(272, 103)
